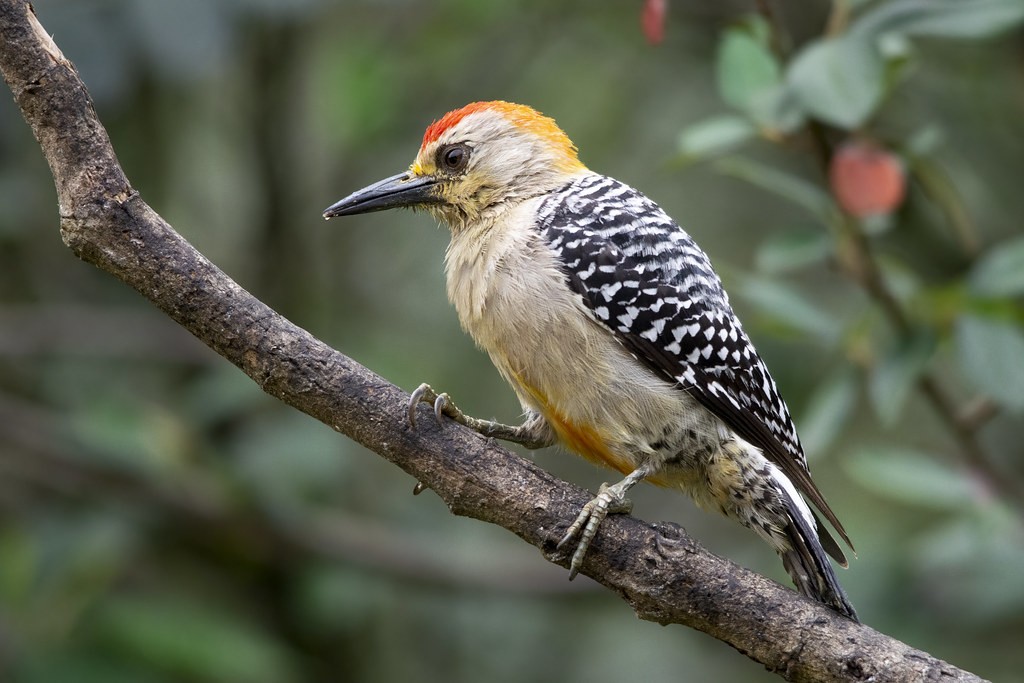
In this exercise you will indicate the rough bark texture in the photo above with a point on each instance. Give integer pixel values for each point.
(663, 574)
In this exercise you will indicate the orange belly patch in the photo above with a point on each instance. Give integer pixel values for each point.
(585, 441)
(582, 439)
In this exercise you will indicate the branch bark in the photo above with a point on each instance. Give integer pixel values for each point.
(663, 574)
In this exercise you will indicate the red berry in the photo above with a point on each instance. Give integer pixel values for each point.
(653, 20)
(867, 180)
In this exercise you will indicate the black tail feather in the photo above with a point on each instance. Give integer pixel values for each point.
(809, 566)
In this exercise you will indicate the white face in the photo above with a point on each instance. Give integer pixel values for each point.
(485, 162)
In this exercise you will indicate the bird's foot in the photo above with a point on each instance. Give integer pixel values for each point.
(442, 404)
(533, 434)
(610, 499)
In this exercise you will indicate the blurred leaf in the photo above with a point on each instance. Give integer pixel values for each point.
(897, 53)
(275, 9)
(797, 190)
(901, 279)
(895, 377)
(983, 531)
(992, 355)
(777, 110)
(785, 304)
(750, 79)
(288, 459)
(137, 437)
(712, 136)
(910, 477)
(116, 433)
(221, 394)
(793, 250)
(80, 666)
(18, 566)
(84, 549)
(838, 80)
(349, 75)
(75, 559)
(940, 188)
(185, 40)
(83, 554)
(877, 224)
(341, 599)
(978, 557)
(829, 408)
(19, 199)
(895, 49)
(942, 18)
(192, 641)
(746, 68)
(924, 141)
(1001, 271)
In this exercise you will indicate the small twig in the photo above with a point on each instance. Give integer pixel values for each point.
(977, 412)
(936, 183)
(781, 44)
(859, 263)
(965, 432)
(838, 17)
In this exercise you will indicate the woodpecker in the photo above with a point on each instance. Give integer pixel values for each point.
(613, 330)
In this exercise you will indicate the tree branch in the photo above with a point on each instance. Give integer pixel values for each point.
(664, 575)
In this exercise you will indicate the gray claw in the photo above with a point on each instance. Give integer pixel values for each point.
(440, 403)
(421, 395)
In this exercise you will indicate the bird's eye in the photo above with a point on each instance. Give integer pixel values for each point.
(454, 158)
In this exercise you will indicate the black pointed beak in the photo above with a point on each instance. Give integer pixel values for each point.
(403, 189)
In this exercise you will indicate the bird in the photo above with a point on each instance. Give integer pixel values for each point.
(613, 330)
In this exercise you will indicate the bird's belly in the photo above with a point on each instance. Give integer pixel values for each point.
(607, 407)
(575, 432)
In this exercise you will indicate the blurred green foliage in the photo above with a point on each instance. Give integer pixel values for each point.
(162, 520)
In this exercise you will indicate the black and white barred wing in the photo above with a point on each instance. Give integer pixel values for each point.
(646, 279)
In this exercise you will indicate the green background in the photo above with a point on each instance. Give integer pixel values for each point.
(163, 520)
